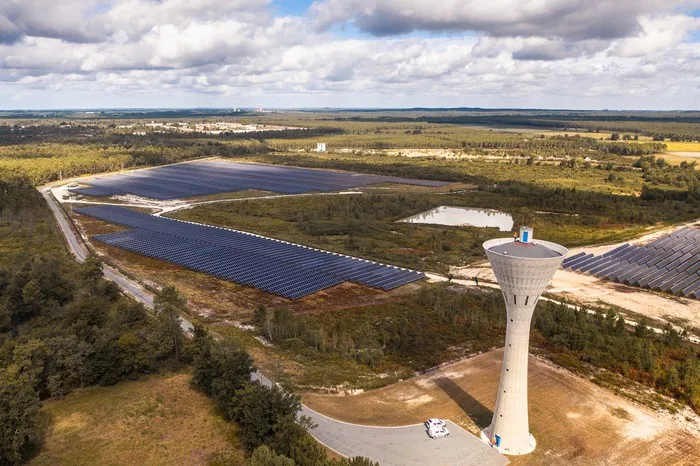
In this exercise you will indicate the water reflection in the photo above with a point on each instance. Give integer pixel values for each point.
(459, 216)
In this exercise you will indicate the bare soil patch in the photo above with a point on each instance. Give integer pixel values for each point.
(574, 421)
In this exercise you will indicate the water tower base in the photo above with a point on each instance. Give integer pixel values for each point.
(486, 438)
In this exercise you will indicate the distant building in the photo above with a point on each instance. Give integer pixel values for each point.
(321, 147)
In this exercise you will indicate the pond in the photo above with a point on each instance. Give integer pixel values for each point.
(460, 216)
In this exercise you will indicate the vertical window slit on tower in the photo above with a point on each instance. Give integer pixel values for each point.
(527, 298)
(515, 299)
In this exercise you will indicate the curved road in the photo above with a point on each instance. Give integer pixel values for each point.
(408, 445)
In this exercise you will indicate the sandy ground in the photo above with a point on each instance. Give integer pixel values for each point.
(686, 154)
(574, 421)
(454, 154)
(589, 290)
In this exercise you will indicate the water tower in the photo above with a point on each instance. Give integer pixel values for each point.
(523, 268)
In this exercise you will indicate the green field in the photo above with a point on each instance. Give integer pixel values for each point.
(159, 420)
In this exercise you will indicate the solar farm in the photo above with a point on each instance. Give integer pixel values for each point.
(218, 176)
(670, 263)
(278, 267)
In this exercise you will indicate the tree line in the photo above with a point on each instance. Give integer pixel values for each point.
(271, 427)
(440, 323)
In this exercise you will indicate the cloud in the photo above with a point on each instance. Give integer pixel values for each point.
(93, 21)
(567, 19)
(656, 34)
(538, 53)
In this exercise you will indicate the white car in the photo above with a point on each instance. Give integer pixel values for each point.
(434, 422)
(437, 432)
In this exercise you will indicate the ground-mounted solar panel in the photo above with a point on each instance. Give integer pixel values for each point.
(668, 284)
(690, 289)
(639, 275)
(670, 263)
(218, 176)
(570, 259)
(593, 264)
(602, 269)
(278, 267)
(617, 272)
(687, 281)
(584, 262)
(574, 262)
(629, 274)
(695, 257)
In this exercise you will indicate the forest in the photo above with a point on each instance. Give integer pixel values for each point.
(63, 326)
(272, 429)
(444, 322)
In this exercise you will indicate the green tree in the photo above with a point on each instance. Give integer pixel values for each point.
(206, 367)
(230, 372)
(19, 408)
(264, 456)
(358, 461)
(91, 269)
(168, 304)
(262, 411)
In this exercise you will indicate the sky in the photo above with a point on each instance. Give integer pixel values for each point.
(578, 54)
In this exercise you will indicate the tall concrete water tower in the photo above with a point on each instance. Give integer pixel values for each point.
(523, 268)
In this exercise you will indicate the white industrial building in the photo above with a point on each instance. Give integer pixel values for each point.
(321, 147)
(523, 269)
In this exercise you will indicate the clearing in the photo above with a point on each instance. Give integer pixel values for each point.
(574, 421)
(158, 420)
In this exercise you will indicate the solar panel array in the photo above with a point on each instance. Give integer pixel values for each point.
(670, 263)
(218, 176)
(278, 267)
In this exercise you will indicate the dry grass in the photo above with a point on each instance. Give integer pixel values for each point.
(212, 298)
(159, 420)
(682, 146)
(677, 158)
(220, 303)
(574, 421)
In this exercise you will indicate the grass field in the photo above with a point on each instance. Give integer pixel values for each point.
(160, 420)
(682, 146)
(574, 421)
(365, 227)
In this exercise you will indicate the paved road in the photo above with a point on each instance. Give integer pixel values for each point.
(399, 446)
(77, 247)
(388, 445)
(407, 445)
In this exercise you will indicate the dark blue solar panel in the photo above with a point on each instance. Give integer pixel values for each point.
(217, 176)
(670, 263)
(275, 266)
(678, 287)
(569, 260)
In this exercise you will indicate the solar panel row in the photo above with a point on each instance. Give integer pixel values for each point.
(670, 263)
(275, 266)
(217, 176)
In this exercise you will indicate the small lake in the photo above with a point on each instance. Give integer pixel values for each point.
(460, 216)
